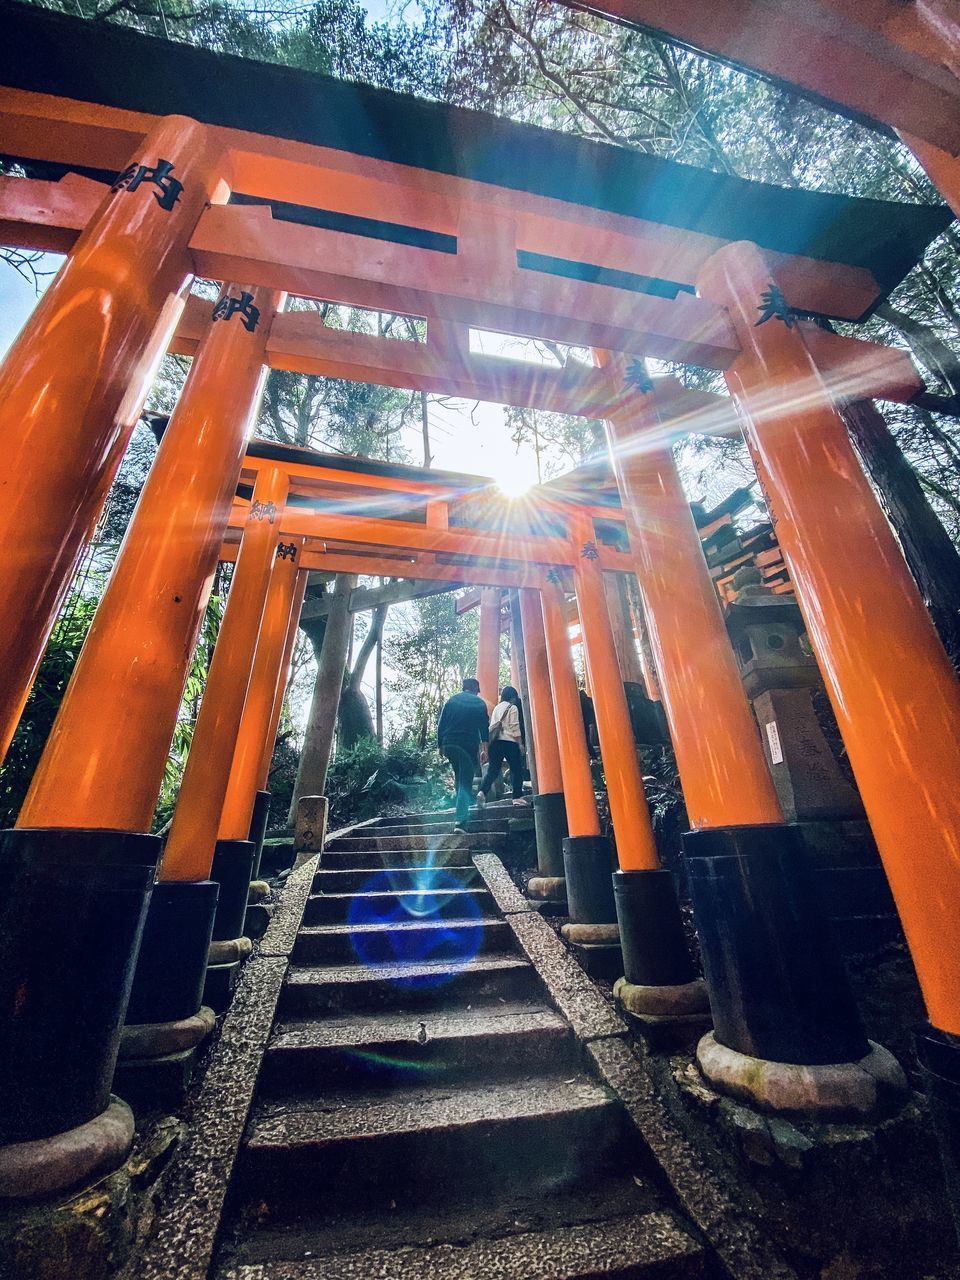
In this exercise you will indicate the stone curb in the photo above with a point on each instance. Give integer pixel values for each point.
(186, 1229)
(498, 880)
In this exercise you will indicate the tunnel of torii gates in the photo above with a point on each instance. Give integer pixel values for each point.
(149, 163)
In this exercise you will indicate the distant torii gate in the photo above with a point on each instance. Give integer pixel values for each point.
(495, 226)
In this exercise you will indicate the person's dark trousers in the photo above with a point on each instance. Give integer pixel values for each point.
(500, 751)
(464, 764)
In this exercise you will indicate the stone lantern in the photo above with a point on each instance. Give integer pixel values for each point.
(780, 675)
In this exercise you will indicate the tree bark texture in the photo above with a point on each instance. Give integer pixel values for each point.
(321, 722)
(927, 547)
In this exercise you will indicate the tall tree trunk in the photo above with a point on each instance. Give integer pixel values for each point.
(927, 547)
(378, 697)
(355, 720)
(425, 427)
(321, 723)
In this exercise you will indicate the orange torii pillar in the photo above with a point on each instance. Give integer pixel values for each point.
(97, 783)
(193, 850)
(641, 895)
(239, 819)
(73, 383)
(549, 811)
(583, 821)
(488, 647)
(897, 702)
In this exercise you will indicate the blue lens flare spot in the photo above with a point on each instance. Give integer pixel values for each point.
(431, 922)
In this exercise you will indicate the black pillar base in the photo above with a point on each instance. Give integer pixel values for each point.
(588, 869)
(939, 1054)
(232, 865)
(258, 828)
(651, 929)
(550, 823)
(71, 917)
(168, 983)
(777, 985)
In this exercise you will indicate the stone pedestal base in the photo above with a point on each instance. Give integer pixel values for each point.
(829, 1091)
(547, 889)
(29, 1170)
(259, 889)
(157, 1039)
(668, 1018)
(596, 947)
(229, 951)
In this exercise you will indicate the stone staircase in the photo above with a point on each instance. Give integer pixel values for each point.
(422, 1111)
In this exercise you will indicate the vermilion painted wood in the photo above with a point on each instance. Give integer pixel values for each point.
(893, 688)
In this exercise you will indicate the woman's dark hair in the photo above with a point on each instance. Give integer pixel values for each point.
(509, 694)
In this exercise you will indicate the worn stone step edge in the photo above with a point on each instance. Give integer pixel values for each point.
(362, 1115)
(651, 1244)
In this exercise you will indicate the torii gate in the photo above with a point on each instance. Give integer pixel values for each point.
(278, 182)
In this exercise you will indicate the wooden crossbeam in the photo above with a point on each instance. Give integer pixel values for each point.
(64, 131)
(236, 242)
(49, 215)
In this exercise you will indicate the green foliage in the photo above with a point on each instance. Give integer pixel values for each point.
(367, 779)
(430, 654)
(44, 701)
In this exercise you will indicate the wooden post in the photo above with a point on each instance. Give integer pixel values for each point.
(104, 761)
(261, 694)
(193, 835)
(73, 383)
(893, 689)
(488, 647)
(636, 847)
(724, 773)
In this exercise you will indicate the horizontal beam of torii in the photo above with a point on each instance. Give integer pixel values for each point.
(405, 280)
(365, 598)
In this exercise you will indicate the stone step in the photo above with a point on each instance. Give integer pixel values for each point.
(384, 879)
(447, 1044)
(405, 828)
(408, 941)
(428, 904)
(649, 1246)
(409, 1144)
(354, 859)
(311, 990)
(488, 841)
(456, 1221)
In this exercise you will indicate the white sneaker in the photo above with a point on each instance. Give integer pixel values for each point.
(481, 799)
(522, 804)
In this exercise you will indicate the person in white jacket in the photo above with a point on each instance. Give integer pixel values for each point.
(505, 745)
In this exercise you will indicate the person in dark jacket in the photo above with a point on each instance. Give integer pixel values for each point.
(461, 731)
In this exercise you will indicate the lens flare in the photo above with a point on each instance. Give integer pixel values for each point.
(433, 925)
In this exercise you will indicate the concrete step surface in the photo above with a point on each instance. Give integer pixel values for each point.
(446, 1044)
(407, 1143)
(380, 879)
(486, 841)
(373, 858)
(409, 940)
(356, 986)
(432, 904)
(422, 1112)
(653, 1246)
